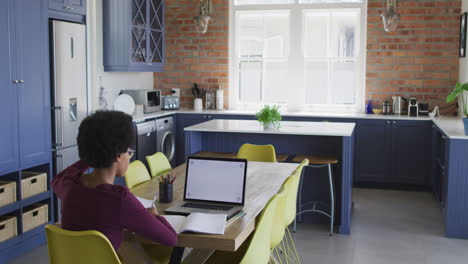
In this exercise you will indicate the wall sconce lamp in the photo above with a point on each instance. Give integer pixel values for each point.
(390, 18)
(203, 19)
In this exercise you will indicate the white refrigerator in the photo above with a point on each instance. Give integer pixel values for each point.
(69, 90)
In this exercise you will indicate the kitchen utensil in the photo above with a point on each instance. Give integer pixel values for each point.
(124, 103)
(196, 91)
(400, 105)
(198, 105)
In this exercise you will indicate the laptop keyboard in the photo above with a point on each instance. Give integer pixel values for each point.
(208, 206)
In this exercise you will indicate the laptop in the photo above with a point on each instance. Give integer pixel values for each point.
(213, 185)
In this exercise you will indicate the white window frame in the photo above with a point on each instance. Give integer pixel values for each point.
(296, 35)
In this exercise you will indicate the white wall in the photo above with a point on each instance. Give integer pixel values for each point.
(113, 82)
(463, 70)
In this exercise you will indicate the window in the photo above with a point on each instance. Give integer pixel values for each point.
(302, 54)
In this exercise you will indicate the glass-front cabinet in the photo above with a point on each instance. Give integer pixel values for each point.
(133, 35)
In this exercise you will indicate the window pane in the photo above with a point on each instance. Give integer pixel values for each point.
(250, 35)
(250, 81)
(276, 35)
(328, 1)
(316, 81)
(315, 34)
(275, 80)
(343, 82)
(262, 2)
(343, 32)
(264, 34)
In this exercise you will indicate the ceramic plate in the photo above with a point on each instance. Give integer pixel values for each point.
(124, 103)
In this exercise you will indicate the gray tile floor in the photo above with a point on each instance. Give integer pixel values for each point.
(388, 227)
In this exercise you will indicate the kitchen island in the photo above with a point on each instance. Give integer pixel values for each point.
(293, 138)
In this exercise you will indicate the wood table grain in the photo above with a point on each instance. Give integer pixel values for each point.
(263, 181)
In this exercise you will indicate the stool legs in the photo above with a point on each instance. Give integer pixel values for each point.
(332, 199)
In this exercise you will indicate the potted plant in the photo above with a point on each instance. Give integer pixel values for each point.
(460, 89)
(269, 117)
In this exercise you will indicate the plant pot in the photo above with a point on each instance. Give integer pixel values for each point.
(270, 126)
(198, 105)
(465, 124)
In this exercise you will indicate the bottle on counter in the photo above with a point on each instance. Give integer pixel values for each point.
(369, 107)
(220, 98)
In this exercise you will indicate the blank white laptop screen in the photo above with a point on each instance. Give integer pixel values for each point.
(215, 180)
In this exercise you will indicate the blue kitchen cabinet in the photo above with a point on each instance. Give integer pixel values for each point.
(133, 35)
(69, 6)
(8, 104)
(31, 55)
(372, 151)
(411, 152)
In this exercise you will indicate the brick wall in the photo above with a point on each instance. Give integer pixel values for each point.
(420, 59)
(192, 57)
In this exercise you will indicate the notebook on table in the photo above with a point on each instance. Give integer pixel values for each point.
(213, 186)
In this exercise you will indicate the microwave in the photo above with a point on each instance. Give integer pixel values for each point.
(150, 99)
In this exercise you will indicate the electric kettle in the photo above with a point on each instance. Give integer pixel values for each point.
(400, 105)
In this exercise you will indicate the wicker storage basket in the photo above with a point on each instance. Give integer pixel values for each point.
(35, 215)
(33, 183)
(8, 227)
(7, 192)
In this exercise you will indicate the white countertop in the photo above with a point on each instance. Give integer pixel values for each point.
(451, 126)
(334, 129)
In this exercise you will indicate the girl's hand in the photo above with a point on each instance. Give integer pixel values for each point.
(153, 211)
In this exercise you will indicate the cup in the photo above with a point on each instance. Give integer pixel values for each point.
(165, 193)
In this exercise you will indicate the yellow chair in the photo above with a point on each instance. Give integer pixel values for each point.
(250, 152)
(158, 164)
(278, 228)
(257, 249)
(71, 247)
(292, 185)
(136, 174)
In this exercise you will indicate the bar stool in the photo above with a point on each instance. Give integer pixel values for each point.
(317, 162)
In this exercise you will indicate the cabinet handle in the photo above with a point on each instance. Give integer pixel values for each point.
(21, 81)
(58, 126)
(394, 122)
(388, 122)
(209, 116)
(15, 81)
(204, 116)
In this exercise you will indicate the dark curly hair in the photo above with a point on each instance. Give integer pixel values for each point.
(103, 136)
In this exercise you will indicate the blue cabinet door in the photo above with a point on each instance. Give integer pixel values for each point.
(183, 121)
(58, 4)
(31, 47)
(9, 159)
(372, 151)
(412, 152)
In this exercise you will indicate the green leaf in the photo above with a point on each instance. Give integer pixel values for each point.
(456, 92)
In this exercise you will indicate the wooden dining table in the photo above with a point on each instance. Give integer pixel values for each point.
(263, 181)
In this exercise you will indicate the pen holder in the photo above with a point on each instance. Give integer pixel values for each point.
(165, 193)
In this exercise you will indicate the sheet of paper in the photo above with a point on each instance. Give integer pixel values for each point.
(145, 202)
(206, 223)
(176, 221)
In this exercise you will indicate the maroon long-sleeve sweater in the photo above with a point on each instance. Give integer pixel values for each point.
(108, 209)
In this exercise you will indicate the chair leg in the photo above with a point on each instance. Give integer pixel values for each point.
(292, 247)
(299, 201)
(332, 199)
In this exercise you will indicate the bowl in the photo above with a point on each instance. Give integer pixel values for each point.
(377, 111)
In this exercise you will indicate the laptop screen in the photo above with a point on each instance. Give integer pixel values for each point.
(215, 180)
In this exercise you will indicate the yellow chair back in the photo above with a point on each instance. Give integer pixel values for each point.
(158, 164)
(72, 247)
(292, 184)
(136, 174)
(250, 152)
(277, 229)
(258, 250)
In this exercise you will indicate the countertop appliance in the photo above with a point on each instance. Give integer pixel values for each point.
(423, 109)
(413, 107)
(400, 105)
(146, 144)
(69, 92)
(170, 102)
(150, 99)
(166, 138)
(386, 108)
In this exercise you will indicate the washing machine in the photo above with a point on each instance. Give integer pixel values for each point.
(165, 128)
